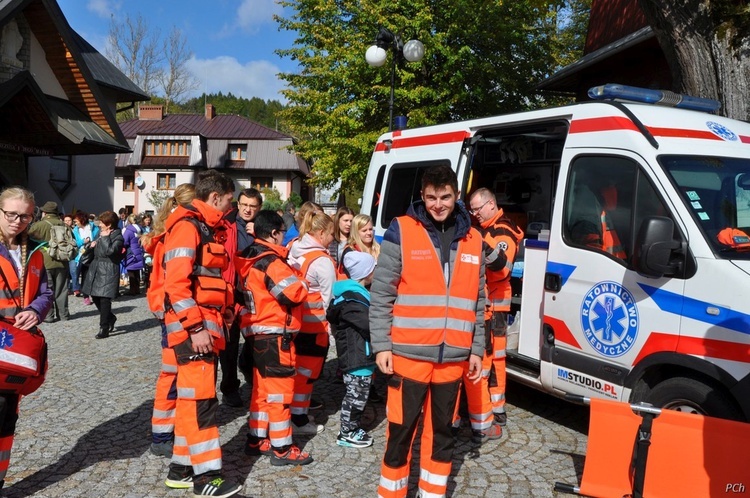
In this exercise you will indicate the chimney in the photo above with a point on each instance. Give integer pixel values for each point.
(151, 112)
(210, 112)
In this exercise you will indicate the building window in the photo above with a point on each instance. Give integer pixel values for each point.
(178, 148)
(128, 183)
(237, 152)
(261, 182)
(166, 181)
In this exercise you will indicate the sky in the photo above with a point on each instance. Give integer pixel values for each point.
(232, 41)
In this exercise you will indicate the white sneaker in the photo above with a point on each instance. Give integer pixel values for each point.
(309, 429)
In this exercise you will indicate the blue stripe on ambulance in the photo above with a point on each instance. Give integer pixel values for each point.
(693, 308)
(565, 271)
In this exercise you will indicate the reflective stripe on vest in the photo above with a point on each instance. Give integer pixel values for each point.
(427, 311)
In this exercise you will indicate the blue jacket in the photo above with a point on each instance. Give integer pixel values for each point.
(348, 315)
(79, 239)
(133, 250)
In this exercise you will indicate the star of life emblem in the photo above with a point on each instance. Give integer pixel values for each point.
(722, 131)
(609, 318)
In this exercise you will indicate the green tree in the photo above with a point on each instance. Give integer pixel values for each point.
(272, 199)
(482, 58)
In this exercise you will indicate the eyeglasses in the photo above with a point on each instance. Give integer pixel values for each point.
(249, 206)
(476, 210)
(12, 216)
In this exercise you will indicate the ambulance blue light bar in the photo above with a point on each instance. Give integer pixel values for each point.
(648, 96)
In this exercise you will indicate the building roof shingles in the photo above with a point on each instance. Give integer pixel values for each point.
(222, 126)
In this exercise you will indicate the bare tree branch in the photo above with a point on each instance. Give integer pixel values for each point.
(175, 79)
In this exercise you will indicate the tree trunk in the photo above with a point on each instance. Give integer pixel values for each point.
(706, 56)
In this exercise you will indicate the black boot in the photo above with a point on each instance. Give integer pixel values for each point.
(111, 326)
(103, 332)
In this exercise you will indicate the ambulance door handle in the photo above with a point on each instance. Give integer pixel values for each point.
(552, 282)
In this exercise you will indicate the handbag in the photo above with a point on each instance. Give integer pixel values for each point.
(23, 356)
(87, 254)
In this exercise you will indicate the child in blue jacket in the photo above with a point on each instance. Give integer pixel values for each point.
(348, 315)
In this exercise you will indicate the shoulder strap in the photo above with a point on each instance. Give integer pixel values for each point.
(312, 256)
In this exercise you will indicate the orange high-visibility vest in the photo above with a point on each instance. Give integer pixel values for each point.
(427, 311)
(313, 310)
(10, 298)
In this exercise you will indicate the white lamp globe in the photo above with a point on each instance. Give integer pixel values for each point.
(413, 51)
(375, 56)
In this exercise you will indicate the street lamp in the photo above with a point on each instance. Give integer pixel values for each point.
(412, 51)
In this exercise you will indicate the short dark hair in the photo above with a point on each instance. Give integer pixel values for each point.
(212, 181)
(109, 218)
(251, 193)
(123, 211)
(266, 222)
(439, 176)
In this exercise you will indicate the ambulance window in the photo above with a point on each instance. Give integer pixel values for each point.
(599, 205)
(403, 187)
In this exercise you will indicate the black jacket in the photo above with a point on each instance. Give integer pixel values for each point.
(103, 277)
(348, 315)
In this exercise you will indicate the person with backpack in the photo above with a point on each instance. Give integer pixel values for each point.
(348, 313)
(59, 251)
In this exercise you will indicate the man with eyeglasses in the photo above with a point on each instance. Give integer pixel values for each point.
(501, 237)
(240, 235)
(58, 273)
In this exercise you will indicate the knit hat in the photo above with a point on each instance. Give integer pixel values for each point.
(359, 264)
(49, 207)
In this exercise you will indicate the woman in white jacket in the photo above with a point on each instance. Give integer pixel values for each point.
(309, 255)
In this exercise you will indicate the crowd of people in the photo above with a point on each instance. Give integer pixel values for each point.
(425, 312)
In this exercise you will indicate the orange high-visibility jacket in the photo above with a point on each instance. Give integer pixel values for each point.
(314, 311)
(273, 292)
(155, 291)
(503, 233)
(427, 312)
(10, 302)
(196, 294)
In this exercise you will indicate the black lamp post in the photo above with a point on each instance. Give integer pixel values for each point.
(412, 51)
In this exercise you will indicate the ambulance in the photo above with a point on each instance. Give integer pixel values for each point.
(663, 317)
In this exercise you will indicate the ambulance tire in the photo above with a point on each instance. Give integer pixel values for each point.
(693, 396)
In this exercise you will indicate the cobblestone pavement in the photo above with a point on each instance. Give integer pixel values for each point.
(86, 432)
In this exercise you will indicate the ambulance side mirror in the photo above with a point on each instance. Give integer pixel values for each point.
(654, 246)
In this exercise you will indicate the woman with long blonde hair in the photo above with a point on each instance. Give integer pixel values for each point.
(309, 255)
(23, 286)
(362, 236)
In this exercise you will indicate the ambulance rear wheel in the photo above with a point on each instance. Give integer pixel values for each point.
(683, 394)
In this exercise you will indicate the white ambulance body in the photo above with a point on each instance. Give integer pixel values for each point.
(667, 318)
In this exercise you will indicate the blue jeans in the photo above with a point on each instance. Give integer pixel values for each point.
(75, 285)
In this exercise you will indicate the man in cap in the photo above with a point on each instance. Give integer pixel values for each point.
(58, 275)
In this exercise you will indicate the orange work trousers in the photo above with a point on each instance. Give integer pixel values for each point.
(418, 386)
(196, 434)
(499, 326)
(165, 399)
(478, 397)
(311, 351)
(273, 387)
